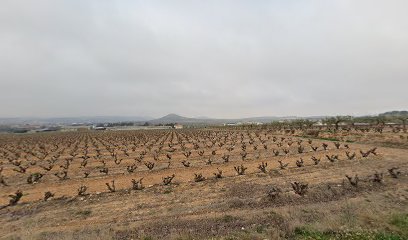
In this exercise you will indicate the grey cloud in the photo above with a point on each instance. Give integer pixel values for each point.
(214, 58)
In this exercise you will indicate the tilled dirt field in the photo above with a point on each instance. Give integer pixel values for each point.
(255, 205)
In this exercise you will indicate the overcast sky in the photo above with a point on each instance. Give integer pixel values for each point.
(202, 58)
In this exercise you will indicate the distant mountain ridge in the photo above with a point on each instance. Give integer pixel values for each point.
(174, 118)
(394, 114)
(170, 118)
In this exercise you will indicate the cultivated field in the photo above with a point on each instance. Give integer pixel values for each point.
(256, 183)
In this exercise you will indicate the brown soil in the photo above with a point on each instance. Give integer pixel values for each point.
(235, 206)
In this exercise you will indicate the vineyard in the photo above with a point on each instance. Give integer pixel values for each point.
(253, 183)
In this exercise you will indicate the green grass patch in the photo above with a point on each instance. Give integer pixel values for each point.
(303, 233)
(147, 238)
(228, 218)
(401, 222)
(260, 229)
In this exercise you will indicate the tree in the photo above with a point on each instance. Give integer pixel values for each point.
(404, 122)
(380, 120)
(300, 123)
(337, 120)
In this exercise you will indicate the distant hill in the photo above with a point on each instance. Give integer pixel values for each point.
(174, 118)
(394, 114)
(170, 118)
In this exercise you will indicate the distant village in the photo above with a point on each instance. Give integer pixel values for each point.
(32, 128)
(388, 118)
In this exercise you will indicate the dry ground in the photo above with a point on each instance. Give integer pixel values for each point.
(232, 207)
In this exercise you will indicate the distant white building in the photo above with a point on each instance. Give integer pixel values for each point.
(361, 124)
(318, 123)
(177, 126)
(253, 123)
(231, 124)
(98, 128)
